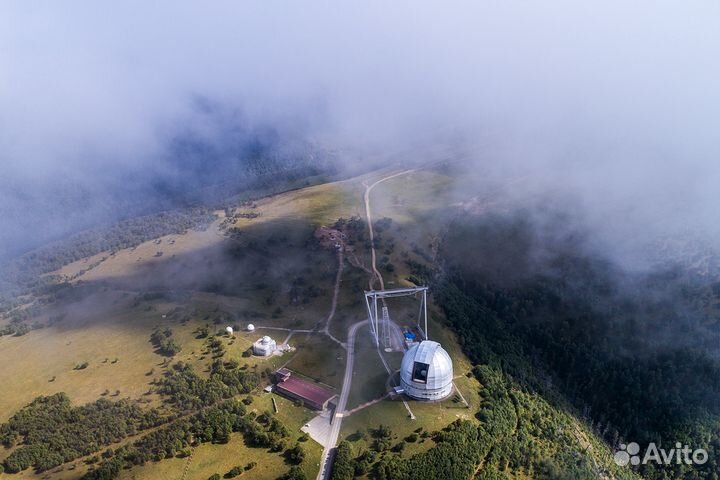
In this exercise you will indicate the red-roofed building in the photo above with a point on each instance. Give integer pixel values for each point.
(311, 394)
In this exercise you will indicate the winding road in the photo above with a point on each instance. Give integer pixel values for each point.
(328, 454)
(368, 214)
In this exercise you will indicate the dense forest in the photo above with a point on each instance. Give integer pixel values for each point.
(186, 390)
(518, 434)
(636, 354)
(218, 416)
(50, 431)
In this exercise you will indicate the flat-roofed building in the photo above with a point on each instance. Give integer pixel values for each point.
(311, 394)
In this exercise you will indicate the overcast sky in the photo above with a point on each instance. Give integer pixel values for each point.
(617, 101)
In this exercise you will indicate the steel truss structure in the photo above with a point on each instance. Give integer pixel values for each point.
(380, 329)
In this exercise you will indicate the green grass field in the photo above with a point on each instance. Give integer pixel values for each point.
(103, 326)
(208, 459)
(216, 281)
(318, 358)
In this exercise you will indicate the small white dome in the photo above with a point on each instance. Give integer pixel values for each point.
(266, 339)
(426, 372)
(251, 327)
(229, 330)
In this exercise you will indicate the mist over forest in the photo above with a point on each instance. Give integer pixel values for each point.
(551, 170)
(612, 104)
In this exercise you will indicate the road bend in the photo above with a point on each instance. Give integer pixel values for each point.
(378, 275)
(368, 214)
(328, 454)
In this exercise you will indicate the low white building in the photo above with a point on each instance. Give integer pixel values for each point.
(264, 347)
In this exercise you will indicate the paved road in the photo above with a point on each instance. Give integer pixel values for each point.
(334, 431)
(282, 329)
(329, 451)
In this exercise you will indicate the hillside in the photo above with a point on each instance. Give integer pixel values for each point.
(142, 322)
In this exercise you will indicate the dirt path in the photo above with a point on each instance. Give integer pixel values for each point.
(186, 468)
(328, 454)
(377, 274)
(336, 291)
(294, 330)
(368, 214)
(365, 405)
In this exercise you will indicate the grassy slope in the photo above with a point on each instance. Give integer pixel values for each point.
(214, 458)
(114, 327)
(108, 324)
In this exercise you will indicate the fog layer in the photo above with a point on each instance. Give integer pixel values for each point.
(615, 104)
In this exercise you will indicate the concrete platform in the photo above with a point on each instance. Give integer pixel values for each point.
(319, 428)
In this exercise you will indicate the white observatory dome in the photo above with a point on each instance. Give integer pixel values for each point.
(229, 330)
(251, 327)
(264, 346)
(426, 372)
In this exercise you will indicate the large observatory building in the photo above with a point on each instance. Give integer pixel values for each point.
(264, 347)
(426, 372)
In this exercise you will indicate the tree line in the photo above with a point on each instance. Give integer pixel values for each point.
(574, 327)
(50, 431)
(186, 390)
(518, 434)
(25, 274)
(213, 424)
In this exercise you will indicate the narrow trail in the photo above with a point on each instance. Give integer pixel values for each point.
(333, 307)
(289, 336)
(187, 465)
(365, 405)
(331, 314)
(294, 330)
(336, 291)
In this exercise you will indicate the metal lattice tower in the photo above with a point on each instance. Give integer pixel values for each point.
(386, 327)
(383, 330)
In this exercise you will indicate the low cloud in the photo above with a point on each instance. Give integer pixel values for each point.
(614, 103)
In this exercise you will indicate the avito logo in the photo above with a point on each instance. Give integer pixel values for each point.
(630, 454)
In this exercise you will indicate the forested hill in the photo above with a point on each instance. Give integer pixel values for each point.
(634, 354)
(196, 166)
(75, 221)
(24, 274)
